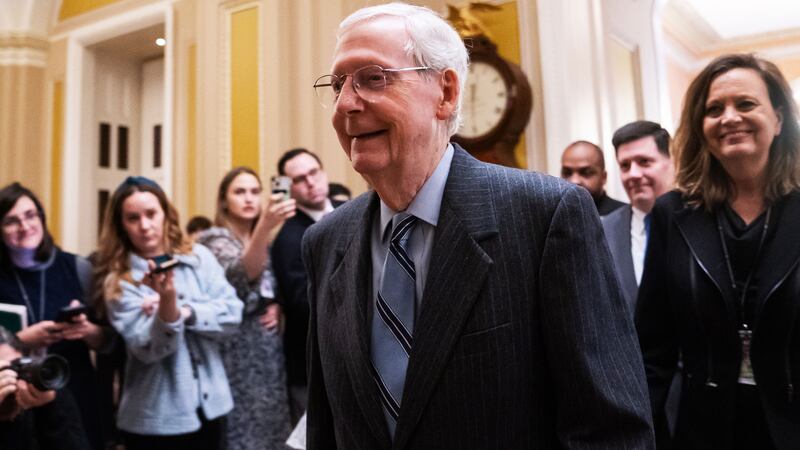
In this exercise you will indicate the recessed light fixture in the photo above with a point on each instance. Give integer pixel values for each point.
(161, 42)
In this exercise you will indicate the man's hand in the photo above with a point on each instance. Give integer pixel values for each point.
(30, 397)
(42, 334)
(8, 380)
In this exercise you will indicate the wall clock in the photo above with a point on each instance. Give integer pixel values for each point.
(496, 104)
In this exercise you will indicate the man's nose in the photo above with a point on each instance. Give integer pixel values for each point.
(575, 179)
(349, 100)
(635, 171)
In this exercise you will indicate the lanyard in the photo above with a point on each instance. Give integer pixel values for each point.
(27, 300)
(742, 297)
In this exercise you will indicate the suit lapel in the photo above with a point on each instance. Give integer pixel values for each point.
(782, 253)
(621, 245)
(457, 272)
(351, 285)
(699, 230)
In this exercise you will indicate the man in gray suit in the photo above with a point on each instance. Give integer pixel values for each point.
(459, 304)
(642, 150)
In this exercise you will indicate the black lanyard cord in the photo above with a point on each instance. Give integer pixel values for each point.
(743, 322)
(27, 300)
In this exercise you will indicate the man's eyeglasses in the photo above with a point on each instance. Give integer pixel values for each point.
(368, 82)
(312, 174)
(13, 222)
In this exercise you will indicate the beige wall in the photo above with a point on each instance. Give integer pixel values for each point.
(23, 134)
(562, 49)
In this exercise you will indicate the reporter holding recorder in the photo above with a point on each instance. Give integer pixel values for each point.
(37, 274)
(175, 393)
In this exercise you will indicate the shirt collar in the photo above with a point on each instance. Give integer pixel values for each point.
(428, 201)
(637, 218)
(317, 214)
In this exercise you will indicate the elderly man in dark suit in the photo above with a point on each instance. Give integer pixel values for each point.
(460, 304)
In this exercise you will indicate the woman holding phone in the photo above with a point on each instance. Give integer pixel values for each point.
(253, 356)
(38, 275)
(175, 393)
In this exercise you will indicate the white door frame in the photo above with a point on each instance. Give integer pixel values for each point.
(78, 233)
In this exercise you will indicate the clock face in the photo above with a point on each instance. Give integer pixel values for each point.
(485, 100)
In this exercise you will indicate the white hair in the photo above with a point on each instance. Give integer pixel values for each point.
(432, 42)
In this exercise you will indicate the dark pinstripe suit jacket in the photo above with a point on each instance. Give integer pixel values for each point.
(522, 340)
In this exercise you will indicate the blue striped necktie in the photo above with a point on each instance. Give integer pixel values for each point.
(393, 319)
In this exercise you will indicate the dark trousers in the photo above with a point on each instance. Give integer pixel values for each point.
(210, 436)
(750, 429)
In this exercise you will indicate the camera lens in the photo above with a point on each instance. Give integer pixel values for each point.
(53, 373)
(48, 373)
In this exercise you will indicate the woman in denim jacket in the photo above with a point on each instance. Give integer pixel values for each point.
(175, 392)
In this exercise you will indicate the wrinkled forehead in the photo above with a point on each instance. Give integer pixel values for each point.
(381, 40)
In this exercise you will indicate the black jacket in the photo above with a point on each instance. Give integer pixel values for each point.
(686, 306)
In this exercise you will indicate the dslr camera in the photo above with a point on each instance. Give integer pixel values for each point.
(48, 373)
(45, 374)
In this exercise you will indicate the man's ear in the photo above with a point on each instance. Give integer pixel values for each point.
(451, 91)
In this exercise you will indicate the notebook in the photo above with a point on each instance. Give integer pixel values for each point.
(13, 317)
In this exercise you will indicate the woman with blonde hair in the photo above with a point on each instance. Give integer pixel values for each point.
(253, 356)
(175, 393)
(721, 284)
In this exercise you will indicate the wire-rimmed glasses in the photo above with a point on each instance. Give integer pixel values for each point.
(368, 82)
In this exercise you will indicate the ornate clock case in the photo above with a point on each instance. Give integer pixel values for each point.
(496, 104)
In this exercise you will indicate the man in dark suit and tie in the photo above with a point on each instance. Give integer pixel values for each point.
(642, 150)
(310, 189)
(459, 304)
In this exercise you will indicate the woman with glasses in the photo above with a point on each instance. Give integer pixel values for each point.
(253, 356)
(172, 317)
(721, 284)
(38, 275)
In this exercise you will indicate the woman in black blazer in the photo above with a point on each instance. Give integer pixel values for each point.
(721, 286)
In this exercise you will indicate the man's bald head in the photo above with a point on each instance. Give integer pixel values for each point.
(582, 163)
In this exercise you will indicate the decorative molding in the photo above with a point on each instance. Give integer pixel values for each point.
(23, 40)
(685, 26)
(21, 49)
(23, 57)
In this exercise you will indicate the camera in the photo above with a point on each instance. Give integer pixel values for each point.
(48, 373)
(45, 374)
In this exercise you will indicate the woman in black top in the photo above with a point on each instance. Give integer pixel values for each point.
(721, 287)
(37, 274)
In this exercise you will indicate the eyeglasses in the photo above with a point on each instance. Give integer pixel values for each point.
(312, 174)
(368, 82)
(13, 222)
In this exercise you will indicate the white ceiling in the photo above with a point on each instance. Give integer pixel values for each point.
(742, 18)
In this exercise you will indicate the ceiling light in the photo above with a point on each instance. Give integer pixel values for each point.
(161, 42)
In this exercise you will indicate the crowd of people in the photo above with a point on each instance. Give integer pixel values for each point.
(203, 340)
(457, 304)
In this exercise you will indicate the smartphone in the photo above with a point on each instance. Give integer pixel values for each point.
(281, 185)
(164, 263)
(66, 313)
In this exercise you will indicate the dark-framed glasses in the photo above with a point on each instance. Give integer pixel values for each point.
(368, 83)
